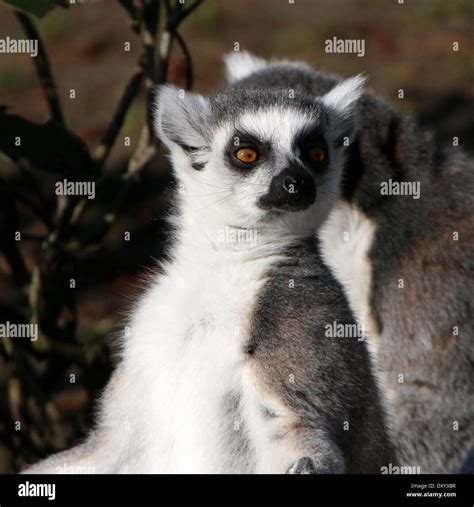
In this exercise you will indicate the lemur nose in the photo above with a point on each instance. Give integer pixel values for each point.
(293, 189)
(292, 184)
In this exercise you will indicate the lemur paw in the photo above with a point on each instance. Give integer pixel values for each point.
(302, 466)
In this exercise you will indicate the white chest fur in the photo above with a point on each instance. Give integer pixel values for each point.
(346, 239)
(185, 365)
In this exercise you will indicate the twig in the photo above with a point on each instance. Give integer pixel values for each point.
(118, 118)
(174, 18)
(43, 69)
(166, 41)
(142, 156)
(146, 67)
(180, 13)
(187, 57)
(186, 12)
(151, 16)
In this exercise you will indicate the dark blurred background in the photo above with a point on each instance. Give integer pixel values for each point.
(408, 46)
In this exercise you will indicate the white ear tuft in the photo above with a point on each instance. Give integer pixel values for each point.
(344, 96)
(180, 117)
(240, 64)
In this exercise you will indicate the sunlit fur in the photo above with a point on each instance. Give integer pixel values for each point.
(184, 397)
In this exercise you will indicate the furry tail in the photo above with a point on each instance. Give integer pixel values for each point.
(240, 64)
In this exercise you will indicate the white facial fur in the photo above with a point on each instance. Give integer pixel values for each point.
(217, 195)
(219, 189)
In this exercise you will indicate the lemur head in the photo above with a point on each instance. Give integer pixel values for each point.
(254, 157)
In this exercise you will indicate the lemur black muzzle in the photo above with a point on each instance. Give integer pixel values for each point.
(294, 189)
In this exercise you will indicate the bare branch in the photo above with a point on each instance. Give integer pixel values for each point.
(166, 43)
(151, 16)
(174, 17)
(115, 125)
(186, 12)
(188, 60)
(43, 69)
(179, 13)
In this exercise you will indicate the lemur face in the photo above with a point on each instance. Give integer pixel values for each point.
(257, 157)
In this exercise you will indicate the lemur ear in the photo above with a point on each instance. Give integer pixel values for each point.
(181, 118)
(343, 99)
(240, 64)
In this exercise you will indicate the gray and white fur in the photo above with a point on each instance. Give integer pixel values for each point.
(406, 265)
(228, 366)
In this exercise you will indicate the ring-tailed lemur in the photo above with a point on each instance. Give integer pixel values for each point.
(406, 262)
(232, 363)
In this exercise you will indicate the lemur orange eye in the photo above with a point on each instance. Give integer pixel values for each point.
(317, 154)
(246, 155)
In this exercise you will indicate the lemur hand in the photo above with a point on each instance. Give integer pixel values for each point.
(302, 466)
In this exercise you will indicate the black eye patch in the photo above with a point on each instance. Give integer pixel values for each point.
(241, 140)
(309, 139)
(242, 137)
